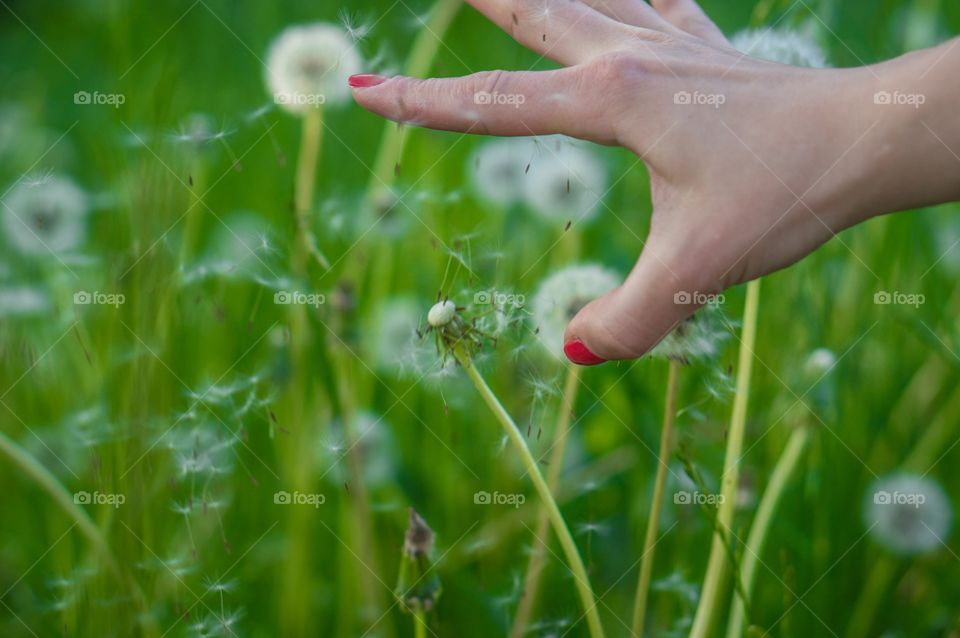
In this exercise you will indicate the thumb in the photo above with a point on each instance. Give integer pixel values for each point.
(629, 321)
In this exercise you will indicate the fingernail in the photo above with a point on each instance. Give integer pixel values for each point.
(580, 354)
(365, 80)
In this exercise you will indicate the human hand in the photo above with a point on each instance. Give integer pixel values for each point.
(753, 165)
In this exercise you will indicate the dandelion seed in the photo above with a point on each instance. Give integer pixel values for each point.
(786, 46)
(561, 296)
(907, 513)
(308, 66)
(44, 218)
(566, 183)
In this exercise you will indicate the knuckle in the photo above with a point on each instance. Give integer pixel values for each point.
(615, 68)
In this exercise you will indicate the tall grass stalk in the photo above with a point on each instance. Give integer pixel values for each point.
(36, 472)
(575, 563)
(558, 445)
(756, 541)
(713, 581)
(656, 502)
(419, 62)
(310, 141)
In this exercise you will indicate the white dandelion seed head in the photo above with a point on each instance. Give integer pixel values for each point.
(497, 169)
(819, 363)
(442, 313)
(562, 295)
(786, 46)
(566, 182)
(907, 513)
(368, 438)
(23, 301)
(45, 217)
(308, 66)
(697, 337)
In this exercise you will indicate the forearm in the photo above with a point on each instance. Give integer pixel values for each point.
(911, 150)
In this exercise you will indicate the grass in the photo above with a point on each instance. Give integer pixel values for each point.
(268, 453)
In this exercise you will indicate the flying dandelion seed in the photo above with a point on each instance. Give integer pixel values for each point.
(567, 182)
(308, 66)
(786, 46)
(373, 445)
(908, 513)
(49, 217)
(561, 296)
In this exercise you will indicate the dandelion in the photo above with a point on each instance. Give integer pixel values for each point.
(417, 589)
(498, 170)
(697, 337)
(308, 66)
(372, 444)
(908, 513)
(786, 46)
(23, 301)
(561, 296)
(459, 337)
(45, 217)
(566, 183)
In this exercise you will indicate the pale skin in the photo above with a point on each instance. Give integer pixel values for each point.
(790, 158)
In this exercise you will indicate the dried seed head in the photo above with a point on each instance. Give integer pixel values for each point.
(418, 541)
(441, 313)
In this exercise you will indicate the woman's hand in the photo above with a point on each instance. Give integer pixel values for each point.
(753, 165)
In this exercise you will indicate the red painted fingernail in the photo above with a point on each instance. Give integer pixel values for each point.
(365, 80)
(580, 354)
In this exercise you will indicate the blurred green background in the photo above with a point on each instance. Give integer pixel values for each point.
(193, 402)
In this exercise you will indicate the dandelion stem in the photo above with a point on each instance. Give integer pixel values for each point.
(656, 502)
(49, 484)
(713, 581)
(575, 563)
(419, 624)
(756, 541)
(418, 64)
(531, 583)
(310, 141)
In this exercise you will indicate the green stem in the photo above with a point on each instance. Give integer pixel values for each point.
(559, 525)
(305, 243)
(419, 625)
(49, 484)
(713, 581)
(757, 539)
(653, 522)
(531, 583)
(419, 62)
